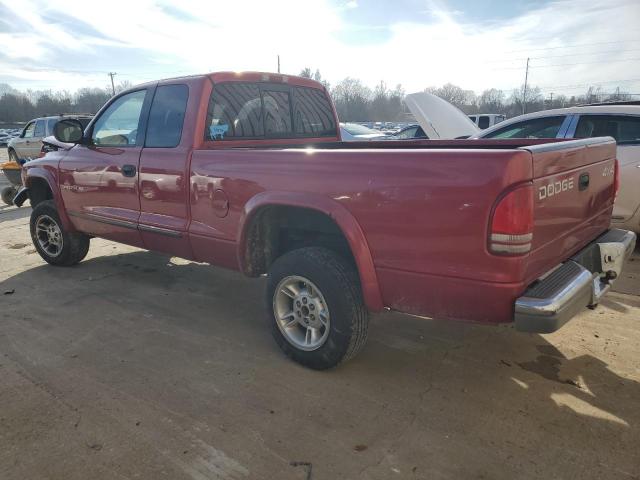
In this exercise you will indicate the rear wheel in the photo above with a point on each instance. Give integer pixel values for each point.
(55, 245)
(316, 311)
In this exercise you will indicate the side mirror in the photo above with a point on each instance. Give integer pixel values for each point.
(68, 130)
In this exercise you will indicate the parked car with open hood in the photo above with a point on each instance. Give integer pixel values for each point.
(438, 118)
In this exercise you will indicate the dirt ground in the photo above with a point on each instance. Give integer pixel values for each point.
(136, 365)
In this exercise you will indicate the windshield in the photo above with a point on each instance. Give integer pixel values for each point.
(355, 129)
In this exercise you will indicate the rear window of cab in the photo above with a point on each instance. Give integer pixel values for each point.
(243, 111)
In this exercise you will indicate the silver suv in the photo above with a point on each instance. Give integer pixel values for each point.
(27, 146)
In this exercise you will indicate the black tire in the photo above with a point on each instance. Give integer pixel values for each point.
(74, 245)
(339, 284)
(7, 194)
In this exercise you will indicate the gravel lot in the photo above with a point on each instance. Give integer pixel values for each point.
(136, 365)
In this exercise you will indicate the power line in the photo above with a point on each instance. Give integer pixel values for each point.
(587, 63)
(600, 62)
(572, 46)
(563, 56)
(548, 87)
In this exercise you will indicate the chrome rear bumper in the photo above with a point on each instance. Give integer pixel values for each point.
(580, 282)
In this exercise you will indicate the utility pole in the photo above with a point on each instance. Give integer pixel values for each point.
(113, 88)
(551, 100)
(278, 63)
(524, 93)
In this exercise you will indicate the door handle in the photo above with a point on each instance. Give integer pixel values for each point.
(583, 182)
(128, 170)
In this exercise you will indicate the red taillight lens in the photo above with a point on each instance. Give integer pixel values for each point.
(616, 178)
(511, 230)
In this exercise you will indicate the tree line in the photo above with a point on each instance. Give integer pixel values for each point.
(17, 106)
(355, 102)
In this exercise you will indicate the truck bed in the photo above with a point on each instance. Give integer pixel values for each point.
(462, 144)
(424, 208)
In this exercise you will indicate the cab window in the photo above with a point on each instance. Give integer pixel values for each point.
(235, 111)
(277, 113)
(546, 127)
(118, 124)
(255, 111)
(312, 113)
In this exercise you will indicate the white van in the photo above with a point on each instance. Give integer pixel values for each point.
(486, 120)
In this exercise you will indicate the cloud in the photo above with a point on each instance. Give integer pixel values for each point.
(73, 43)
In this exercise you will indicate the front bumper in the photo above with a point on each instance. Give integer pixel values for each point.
(580, 282)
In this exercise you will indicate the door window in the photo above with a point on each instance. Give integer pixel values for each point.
(28, 130)
(167, 116)
(546, 127)
(483, 122)
(118, 124)
(625, 129)
(39, 131)
(51, 123)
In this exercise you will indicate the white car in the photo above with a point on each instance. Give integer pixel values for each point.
(354, 132)
(620, 121)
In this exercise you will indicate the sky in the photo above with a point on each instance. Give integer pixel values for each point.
(69, 44)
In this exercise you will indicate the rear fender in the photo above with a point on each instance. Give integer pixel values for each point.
(340, 215)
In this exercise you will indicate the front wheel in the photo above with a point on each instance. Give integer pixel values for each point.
(54, 244)
(316, 311)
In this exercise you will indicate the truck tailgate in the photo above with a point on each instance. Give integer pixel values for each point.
(573, 198)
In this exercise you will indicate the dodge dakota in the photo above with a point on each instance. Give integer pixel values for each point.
(248, 171)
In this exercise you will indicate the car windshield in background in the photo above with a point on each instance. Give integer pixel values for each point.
(356, 129)
(547, 127)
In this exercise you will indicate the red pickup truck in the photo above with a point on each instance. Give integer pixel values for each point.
(247, 171)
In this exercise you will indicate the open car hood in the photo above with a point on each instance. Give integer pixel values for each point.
(438, 118)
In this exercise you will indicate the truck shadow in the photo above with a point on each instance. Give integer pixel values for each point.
(198, 333)
(9, 212)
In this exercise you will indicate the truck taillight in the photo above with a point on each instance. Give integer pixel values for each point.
(616, 179)
(511, 230)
